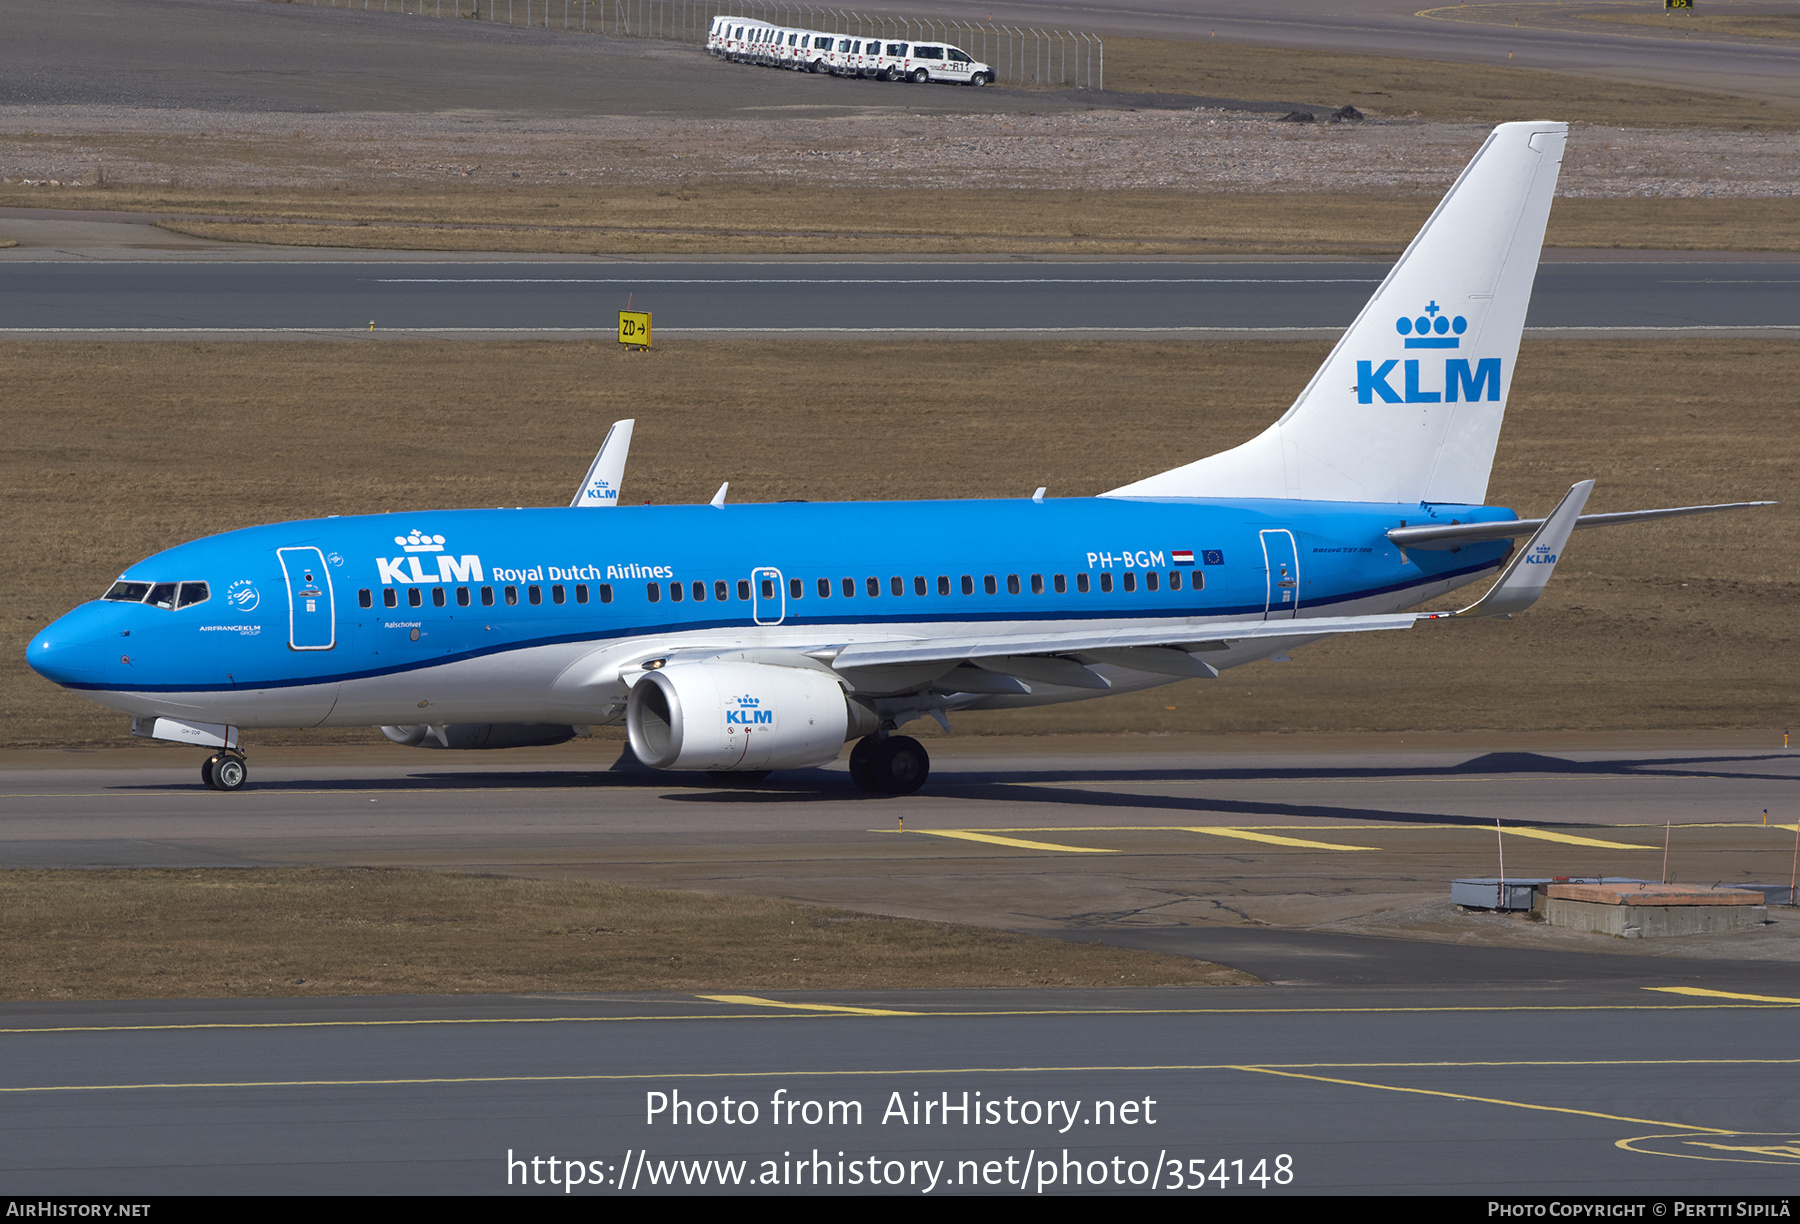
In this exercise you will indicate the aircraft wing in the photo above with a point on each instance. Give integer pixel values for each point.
(1172, 648)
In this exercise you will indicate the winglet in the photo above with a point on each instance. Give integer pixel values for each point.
(1529, 572)
(600, 487)
(719, 497)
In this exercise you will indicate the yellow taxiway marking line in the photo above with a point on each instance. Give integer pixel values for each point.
(1292, 1071)
(1015, 842)
(1271, 838)
(1570, 838)
(838, 1009)
(1722, 994)
(1463, 1096)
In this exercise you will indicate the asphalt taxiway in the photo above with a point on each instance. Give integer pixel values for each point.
(1401, 1046)
(62, 299)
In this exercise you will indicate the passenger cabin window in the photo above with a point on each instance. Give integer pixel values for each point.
(487, 597)
(968, 585)
(943, 584)
(1037, 584)
(874, 586)
(744, 589)
(365, 598)
(699, 592)
(581, 592)
(415, 598)
(1012, 584)
(512, 596)
(462, 597)
(796, 588)
(1130, 580)
(849, 587)
(1106, 582)
(653, 591)
(390, 598)
(990, 585)
(824, 588)
(535, 594)
(675, 591)
(1150, 580)
(1081, 583)
(557, 594)
(438, 598)
(1174, 580)
(606, 592)
(1061, 584)
(721, 591)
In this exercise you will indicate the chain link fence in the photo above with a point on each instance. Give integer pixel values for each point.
(1019, 55)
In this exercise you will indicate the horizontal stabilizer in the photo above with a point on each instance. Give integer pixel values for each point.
(1455, 535)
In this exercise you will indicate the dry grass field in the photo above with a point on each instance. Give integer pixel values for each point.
(154, 934)
(780, 219)
(114, 451)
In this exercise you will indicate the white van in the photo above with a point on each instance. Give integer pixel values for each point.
(942, 62)
(813, 52)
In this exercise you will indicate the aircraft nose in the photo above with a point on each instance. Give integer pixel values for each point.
(75, 649)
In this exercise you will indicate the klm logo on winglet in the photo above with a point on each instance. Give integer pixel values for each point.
(1541, 555)
(1432, 329)
(748, 713)
(407, 569)
(600, 490)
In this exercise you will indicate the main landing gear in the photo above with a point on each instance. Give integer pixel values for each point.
(889, 764)
(225, 771)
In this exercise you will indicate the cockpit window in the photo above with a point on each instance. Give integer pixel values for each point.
(128, 592)
(167, 595)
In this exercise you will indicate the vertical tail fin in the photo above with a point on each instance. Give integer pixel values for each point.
(1408, 406)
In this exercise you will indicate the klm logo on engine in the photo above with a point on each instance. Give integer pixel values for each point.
(1462, 381)
(407, 569)
(748, 712)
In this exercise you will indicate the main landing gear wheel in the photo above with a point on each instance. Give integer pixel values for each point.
(224, 771)
(897, 765)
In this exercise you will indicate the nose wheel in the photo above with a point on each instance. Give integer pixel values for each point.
(225, 771)
(894, 765)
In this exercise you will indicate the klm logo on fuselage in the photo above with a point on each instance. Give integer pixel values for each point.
(748, 712)
(1462, 381)
(408, 569)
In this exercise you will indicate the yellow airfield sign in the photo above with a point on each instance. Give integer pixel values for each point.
(634, 327)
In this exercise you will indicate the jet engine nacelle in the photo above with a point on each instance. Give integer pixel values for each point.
(480, 735)
(741, 716)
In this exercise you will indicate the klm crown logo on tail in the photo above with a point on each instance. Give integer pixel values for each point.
(1434, 330)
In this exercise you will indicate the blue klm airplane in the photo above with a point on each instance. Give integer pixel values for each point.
(745, 638)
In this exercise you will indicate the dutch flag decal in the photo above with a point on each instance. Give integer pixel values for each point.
(1182, 556)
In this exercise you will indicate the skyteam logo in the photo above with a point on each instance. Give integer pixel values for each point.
(748, 712)
(243, 595)
(406, 569)
(1431, 330)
